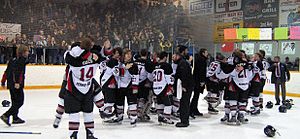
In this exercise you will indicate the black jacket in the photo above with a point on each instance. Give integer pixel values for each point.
(200, 68)
(184, 73)
(15, 72)
(285, 73)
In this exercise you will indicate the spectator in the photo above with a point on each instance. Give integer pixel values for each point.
(288, 63)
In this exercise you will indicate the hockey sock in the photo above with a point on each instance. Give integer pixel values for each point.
(120, 111)
(160, 109)
(74, 120)
(212, 99)
(233, 107)
(255, 101)
(176, 104)
(108, 108)
(227, 107)
(140, 106)
(60, 108)
(89, 121)
(261, 99)
(132, 110)
(99, 100)
(167, 111)
(242, 108)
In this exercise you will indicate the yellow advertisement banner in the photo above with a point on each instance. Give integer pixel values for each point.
(219, 30)
(253, 33)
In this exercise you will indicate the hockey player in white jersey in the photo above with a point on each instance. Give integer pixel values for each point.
(127, 87)
(109, 83)
(255, 87)
(79, 97)
(263, 76)
(98, 97)
(144, 68)
(162, 88)
(213, 84)
(236, 93)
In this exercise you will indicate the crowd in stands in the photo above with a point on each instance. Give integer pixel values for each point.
(50, 26)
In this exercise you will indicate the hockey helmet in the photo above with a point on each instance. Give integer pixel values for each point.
(282, 109)
(5, 103)
(270, 131)
(269, 105)
(287, 104)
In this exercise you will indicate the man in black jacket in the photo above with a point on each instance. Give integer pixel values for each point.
(200, 68)
(184, 73)
(15, 75)
(280, 75)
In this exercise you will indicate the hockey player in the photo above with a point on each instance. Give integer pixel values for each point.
(162, 88)
(263, 76)
(109, 83)
(79, 96)
(128, 86)
(213, 84)
(238, 77)
(144, 68)
(175, 100)
(256, 82)
(98, 96)
(15, 76)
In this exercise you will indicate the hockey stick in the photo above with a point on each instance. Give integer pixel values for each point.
(13, 132)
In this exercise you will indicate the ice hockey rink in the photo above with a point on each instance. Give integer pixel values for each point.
(40, 105)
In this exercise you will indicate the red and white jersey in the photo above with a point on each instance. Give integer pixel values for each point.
(162, 76)
(212, 71)
(110, 76)
(242, 79)
(128, 76)
(143, 69)
(81, 76)
(266, 65)
(256, 71)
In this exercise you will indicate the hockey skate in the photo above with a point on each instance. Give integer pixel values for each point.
(74, 135)
(175, 116)
(133, 122)
(56, 122)
(89, 135)
(115, 120)
(255, 112)
(225, 118)
(242, 119)
(163, 120)
(212, 110)
(233, 121)
(104, 115)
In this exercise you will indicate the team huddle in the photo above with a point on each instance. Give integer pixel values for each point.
(151, 84)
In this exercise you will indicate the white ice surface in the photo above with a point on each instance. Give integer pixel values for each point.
(40, 105)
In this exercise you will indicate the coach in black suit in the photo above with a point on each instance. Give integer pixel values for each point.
(280, 75)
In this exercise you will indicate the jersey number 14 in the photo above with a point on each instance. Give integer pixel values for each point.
(86, 75)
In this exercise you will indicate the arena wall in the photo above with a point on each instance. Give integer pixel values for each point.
(50, 77)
